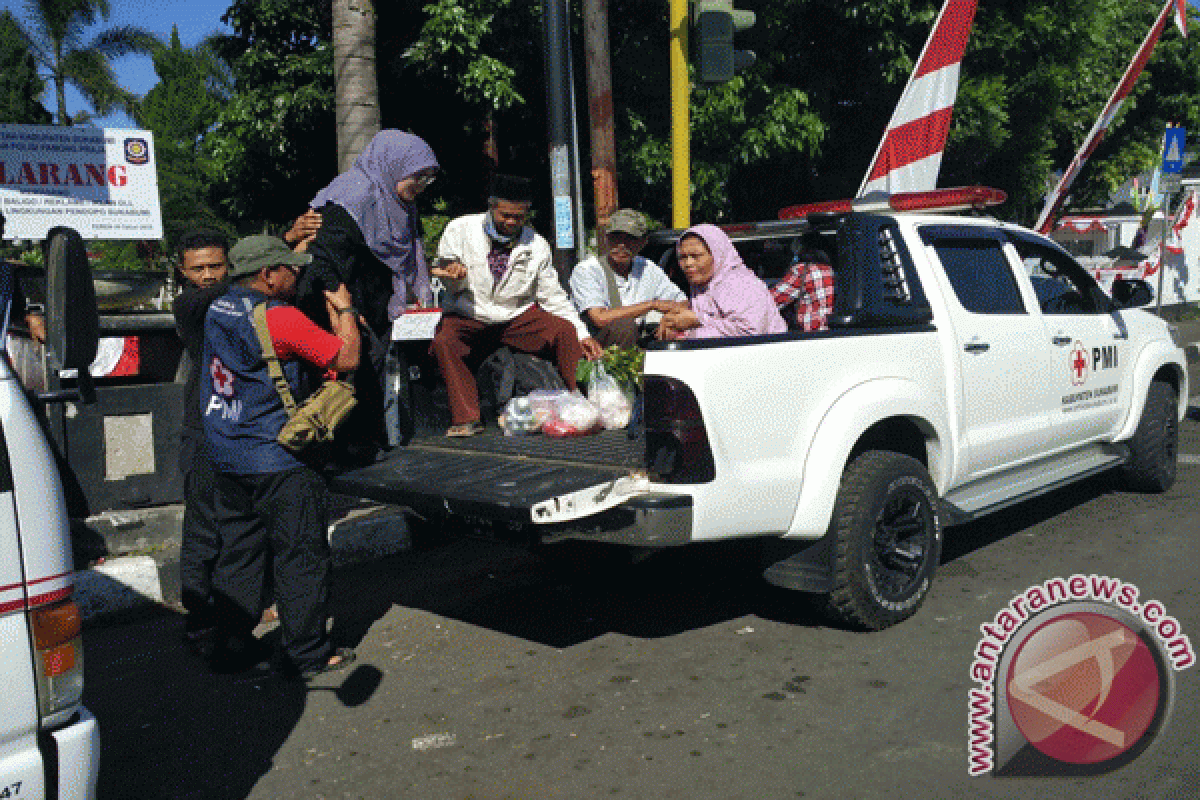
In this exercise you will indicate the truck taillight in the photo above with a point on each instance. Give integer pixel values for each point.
(57, 636)
(677, 448)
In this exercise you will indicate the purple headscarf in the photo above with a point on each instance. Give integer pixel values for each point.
(390, 226)
(734, 302)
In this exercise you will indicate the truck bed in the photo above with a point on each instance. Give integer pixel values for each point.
(492, 474)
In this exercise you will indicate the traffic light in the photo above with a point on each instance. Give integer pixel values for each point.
(713, 24)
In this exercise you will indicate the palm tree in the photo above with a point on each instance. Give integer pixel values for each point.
(55, 35)
(356, 90)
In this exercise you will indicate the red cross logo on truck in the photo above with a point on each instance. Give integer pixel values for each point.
(1079, 364)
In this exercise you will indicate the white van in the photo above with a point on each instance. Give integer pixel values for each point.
(49, 743)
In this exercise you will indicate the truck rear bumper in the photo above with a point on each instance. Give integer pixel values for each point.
(649, 520)
(77, 757)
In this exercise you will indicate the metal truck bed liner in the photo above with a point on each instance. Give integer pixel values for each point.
(610, 448)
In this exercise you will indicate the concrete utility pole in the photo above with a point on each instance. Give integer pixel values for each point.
(558, 110)
(355, 87)
(600, 112)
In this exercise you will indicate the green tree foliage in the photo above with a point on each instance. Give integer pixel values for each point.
(180, 109)
(274, 143)
(20, 86)
(799, 126)
(56, 37)
(1037, 75)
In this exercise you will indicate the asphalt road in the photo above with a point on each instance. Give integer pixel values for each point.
(488, 672)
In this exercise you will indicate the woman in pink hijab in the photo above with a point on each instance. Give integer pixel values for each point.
(727, 298)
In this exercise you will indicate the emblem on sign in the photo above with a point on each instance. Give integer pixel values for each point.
(137, 151)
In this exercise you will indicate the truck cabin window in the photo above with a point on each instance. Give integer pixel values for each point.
(1061, 284)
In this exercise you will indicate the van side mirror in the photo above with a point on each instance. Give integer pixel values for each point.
(72, 320)
(1132, 293)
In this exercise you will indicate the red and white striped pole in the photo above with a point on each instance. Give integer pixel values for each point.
(909, 155)
(1173, 8)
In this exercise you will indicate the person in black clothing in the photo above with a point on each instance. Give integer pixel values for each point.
(204, 262)
(370, 239)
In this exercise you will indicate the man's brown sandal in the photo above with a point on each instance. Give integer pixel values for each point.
(466, 429)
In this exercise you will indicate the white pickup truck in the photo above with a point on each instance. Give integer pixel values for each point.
(970, 364)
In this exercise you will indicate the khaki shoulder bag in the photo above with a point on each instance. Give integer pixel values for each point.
(316, 419)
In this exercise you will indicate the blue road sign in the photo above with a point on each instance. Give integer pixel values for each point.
(1172, 160)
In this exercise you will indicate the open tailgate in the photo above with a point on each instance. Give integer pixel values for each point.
(521, 481)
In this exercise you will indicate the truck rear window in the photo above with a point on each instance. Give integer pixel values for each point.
(980, 275)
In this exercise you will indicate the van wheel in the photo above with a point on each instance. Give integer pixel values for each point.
(887, 540)
(1154, 448)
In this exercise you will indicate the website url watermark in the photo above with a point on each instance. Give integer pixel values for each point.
(1077, 669)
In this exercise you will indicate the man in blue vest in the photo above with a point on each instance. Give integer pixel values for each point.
(266, 497)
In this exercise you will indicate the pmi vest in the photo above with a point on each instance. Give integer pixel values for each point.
(243, 413)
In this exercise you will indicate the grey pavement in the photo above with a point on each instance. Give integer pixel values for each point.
(488, 672)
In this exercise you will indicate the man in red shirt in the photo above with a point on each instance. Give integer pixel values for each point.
(267, 498)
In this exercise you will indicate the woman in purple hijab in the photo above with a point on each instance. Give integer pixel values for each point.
(727, 299)
(370, 231)
(370, 240)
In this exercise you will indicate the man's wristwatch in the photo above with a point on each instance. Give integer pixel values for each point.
(348, 310)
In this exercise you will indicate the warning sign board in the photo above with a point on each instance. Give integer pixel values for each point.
(100, 181)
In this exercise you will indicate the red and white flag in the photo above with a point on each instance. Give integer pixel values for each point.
(1056, 198)
(910, 155)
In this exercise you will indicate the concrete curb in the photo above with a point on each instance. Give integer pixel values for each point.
(138, 565)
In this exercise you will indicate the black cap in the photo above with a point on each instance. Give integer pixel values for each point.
(512, 188)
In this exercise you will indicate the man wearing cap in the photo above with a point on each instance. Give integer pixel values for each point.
(503, 290)
(266, 497)
(619, 291)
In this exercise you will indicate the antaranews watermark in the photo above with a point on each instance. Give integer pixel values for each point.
(1076, 677)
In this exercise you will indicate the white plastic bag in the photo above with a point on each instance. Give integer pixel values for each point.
(613, 401)
(527, 414)
(573, 415)
(518, 417)
(543, 401)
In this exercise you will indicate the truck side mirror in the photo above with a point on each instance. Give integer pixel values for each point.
(1131, 293)
(72, 320)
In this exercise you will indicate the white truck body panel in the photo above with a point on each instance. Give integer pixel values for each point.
(783, 416)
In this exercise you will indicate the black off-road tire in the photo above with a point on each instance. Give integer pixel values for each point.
(886, 540)
(1154, 448)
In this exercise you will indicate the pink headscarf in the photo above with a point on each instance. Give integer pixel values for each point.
(735, 302)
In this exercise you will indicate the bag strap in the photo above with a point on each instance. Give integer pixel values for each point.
(614, 296)
(273, 368)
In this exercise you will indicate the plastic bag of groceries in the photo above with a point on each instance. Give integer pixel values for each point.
(527, 414)
(543, 401)
(573, 415)
(517, 417)
(610, 398)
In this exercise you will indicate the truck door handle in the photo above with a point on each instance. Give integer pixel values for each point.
(1061, 341)
(976, 347)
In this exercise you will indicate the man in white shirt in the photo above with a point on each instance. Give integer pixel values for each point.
(619, 291)
(503, 290)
